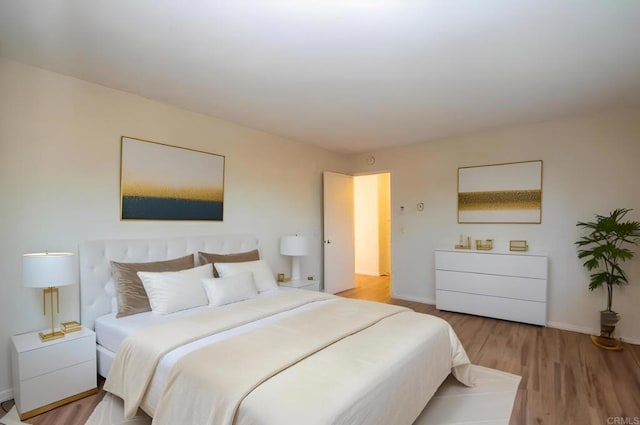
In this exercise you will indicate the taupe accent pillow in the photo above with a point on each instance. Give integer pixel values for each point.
(238, 257)
(132, 298)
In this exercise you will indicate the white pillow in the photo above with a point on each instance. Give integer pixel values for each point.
(230, 289)
(262, 274)
(169, 292)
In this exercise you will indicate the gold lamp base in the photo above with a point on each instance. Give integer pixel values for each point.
(48, 336)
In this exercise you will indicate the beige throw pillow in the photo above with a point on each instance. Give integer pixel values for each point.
(130, 293)
(238, 257)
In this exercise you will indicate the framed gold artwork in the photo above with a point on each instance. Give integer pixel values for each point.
(162, 182)
(500, 193)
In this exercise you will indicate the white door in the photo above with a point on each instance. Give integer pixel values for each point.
(339, 231)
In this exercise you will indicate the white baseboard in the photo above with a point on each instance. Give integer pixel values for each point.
(412, 298)
(6, 395)
(586, 330)
(573, 328)
(630, 340)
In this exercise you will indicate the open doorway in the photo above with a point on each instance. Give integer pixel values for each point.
(372, 211)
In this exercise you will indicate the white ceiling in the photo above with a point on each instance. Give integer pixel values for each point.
(348, 75)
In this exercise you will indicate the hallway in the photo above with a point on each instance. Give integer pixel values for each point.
(372, 288)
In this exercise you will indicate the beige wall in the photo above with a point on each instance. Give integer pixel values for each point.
(590, 167)
(60, 165)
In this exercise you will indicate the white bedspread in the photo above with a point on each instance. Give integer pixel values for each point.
(385, 374)
(355, 383)
(158, 382)
(139, 354)
(111, 330)
(215, 393)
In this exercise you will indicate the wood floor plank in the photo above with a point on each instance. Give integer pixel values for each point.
(566, 379)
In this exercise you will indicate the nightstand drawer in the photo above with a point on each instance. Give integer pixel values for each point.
(311, 286)
(57, 385)
(307, 285)
(48, 358)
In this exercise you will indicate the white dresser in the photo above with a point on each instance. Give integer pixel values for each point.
(504, 285)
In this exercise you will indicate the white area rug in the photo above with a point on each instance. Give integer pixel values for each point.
(490, 402)
(11, 418)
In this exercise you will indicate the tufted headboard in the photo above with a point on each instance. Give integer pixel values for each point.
(95, 257)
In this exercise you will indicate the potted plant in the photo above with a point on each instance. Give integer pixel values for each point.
(605, 249)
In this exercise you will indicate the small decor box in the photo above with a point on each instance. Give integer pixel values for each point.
(67, 327)
(484, 246)
(518, 245)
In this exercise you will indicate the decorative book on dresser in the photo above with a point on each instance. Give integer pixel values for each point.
(504, 285)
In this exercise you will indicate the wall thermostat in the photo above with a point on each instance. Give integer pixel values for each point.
(371, 160)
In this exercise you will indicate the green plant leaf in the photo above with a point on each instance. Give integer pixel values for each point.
(605, 247)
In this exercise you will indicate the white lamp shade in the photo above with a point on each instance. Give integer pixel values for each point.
(42, 270)
(294, 245)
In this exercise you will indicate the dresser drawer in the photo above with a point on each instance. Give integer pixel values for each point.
(48, 358)
(499, 286)
(501, 308)
(532, 266)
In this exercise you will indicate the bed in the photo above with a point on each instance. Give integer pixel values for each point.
(283, 356)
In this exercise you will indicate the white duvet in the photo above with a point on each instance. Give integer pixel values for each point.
(379, 372)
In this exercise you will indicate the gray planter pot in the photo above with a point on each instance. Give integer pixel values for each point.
(608, 321)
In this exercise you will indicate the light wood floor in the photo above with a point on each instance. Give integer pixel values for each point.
(566, 380)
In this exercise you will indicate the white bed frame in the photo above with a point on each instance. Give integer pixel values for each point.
(95, 272)
(95, 268)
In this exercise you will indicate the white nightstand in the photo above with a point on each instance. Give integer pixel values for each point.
(309, 285)
(49, 374)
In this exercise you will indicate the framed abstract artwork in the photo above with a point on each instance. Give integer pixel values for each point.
(500, 193)
(162, 182)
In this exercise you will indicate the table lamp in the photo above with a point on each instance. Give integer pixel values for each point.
(49, 271)
(294, 246)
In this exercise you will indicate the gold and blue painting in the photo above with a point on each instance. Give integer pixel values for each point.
(162, 182)
(502, 193)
